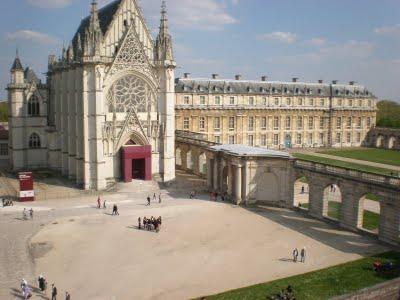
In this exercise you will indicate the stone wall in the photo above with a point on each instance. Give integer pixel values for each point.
(386, 138)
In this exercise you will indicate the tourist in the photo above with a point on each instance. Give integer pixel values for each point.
(31, 213)
(140, 223)
(53, 292)
(104, 204)
(98, 202)
(303, 255)
(302, 189)
(24, 284)
(115, 210)
(148, 200)
(159, 198)
(295, 254)
(144, 223)
(154, 197)
(67, 296)
(42, 283)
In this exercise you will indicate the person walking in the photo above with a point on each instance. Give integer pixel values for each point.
(115, 210)
(154, 197)
(98, 202)
(140, 223)
(104, 204)
(159, 198)
(53, 292)
(295, 254)
(148, 201)
(67, 296)
(303, 255)
(31, 213)
(302, 189)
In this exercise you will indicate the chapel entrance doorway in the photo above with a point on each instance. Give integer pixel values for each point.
(136, 162)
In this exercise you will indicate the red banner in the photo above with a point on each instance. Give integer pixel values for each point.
(26, 192)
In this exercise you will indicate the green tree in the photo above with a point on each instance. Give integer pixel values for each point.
(388, 114)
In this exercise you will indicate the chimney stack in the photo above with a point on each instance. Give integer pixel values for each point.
(264, 78)
(334, 81)
(186, 75)
(320, 81)
(215, 76)
(294, 79)
(352, 82)
(238, 77)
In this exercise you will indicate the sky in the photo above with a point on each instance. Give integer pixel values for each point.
(344, 40)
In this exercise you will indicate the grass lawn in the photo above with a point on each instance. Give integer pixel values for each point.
(372, 197)
(334, 209)
(343, 164)
(370, 220)
(389, 157)
(321, 284)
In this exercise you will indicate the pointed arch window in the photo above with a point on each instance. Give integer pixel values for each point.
(34, 141)
(33, 106)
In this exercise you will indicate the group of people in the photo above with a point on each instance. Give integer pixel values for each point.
(214, 196)
(154, 199)
(150, 223)
(42, 284)
(302, 255)
(25, 213)
(6, 202)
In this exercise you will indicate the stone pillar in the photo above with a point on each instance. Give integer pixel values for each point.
(389, 222)
(230, 179)
(209, 174)
(215, 174)
(317, 207)
(238, 185)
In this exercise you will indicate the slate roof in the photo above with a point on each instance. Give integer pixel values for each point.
(17, 66)
(106, 15)
(227, 86)
(30, 76)
(244, 150)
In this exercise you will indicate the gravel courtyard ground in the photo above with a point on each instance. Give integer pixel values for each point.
(203, 247)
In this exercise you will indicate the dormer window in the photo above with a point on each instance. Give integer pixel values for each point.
(262, 90)
(285, 90)
(337, 92)
(367, 93)
(273, 90)
(347, 92)
(215, 88)
(249, 89)
(229, 89)
(297, 90)
(319, 91)
(357, 93)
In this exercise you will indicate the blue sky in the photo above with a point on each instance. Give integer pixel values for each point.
(311, 39)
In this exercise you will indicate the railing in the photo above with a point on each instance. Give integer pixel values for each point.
(193, 138)
(349, 173)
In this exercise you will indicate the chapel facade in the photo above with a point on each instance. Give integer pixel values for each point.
(106, 111)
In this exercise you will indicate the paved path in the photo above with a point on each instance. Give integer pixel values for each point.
(356, 161)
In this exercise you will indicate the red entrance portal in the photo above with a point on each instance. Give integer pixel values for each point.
(136, 162)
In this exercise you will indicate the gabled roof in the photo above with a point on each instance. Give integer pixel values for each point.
(106, 15)
(30, 76)
(17, 66)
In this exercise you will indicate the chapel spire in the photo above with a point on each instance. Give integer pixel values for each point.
(17, 65)
(93, 33)
(164, 41)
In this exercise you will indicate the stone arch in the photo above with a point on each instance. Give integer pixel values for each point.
(301, 190)
(379, 141)
(178, 156)
(267, 188)
(392, 143)
(202, 163)
(332, 201)
(368, 213)
(132, 138)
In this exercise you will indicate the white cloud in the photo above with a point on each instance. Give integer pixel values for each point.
(50, 3)
(349, 49)
(31, 36)
(316, 41)
(280, 36)
(390, 31)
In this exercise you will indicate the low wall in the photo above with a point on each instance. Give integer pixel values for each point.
(389, 290)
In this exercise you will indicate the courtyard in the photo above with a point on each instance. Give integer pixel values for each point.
(203, 247)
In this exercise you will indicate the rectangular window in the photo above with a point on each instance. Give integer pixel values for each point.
(348, 137)
(310, 123)
(186, 123)
(251, 100)
(217, 139)
(358, 137)
(202, 100)
(288, 123)
(251, 124)
(217, 124)
(369, 103)
(298, 139)
(276, 123)
(338, 138)
(288, 101)
(250, 140)
(338, 123)
(276, 139)
(231, 123)
(322, 102)
(340, 102)
(3, 149)
(311, 102)
(263, 140)
(321, 139)
(300, 101)
(232, 100)
(359, 123)
(231, 139)
(350, 102)
(217, 100)
(276, 101)
(202, 123)
(310, 139)
(263, 123)
(186, 100)
(321, 122)
(264, 101)
(349, 122)
(300, 123)
(360, 103)
(369, 122)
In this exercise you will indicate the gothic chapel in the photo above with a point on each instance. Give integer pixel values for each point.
(106, 112)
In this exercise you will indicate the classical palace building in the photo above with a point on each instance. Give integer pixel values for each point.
(275, 114)
(106, 111)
